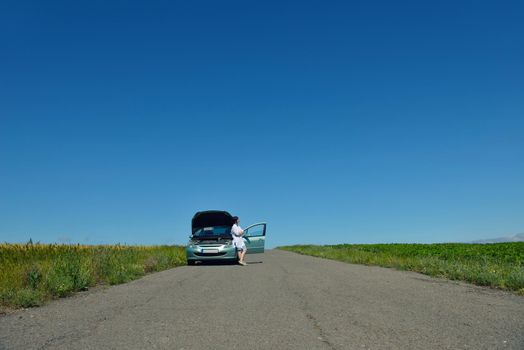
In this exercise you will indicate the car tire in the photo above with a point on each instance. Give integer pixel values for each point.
(191, 262)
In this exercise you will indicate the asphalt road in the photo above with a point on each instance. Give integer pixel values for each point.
(281, 300)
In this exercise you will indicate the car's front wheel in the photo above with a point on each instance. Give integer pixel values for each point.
(191, 262)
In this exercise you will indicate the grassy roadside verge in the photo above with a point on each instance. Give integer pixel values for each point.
(31, 274)
(498, 265)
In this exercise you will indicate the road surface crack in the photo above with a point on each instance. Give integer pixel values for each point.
(304, 307)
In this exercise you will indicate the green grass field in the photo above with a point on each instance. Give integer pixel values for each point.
(498, 265)
(31, 274)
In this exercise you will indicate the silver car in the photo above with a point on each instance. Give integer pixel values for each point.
(211, 237)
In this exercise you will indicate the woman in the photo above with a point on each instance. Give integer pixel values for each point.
(238, 241)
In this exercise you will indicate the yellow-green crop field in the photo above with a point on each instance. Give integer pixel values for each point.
(31, 274)
(499, 265)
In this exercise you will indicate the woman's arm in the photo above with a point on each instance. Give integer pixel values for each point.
(238, 231)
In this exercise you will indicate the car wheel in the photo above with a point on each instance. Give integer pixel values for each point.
(191, 262)
(236, 259)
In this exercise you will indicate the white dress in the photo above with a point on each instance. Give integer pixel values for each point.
(238, 241)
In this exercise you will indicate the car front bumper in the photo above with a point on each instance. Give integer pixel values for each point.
(210, 252)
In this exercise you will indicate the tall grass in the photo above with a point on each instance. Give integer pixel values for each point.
(498, 265)
(30, 274)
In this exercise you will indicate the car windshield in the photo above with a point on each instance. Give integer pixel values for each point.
(213, 231)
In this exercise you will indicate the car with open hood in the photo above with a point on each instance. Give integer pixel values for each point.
(211, 237)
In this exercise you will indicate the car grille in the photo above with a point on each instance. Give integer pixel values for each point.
(210, 254)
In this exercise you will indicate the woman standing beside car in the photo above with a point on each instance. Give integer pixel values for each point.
(238, 241)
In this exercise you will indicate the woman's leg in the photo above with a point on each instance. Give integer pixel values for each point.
(243, 254)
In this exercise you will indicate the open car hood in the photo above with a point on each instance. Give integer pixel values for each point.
(210, 218)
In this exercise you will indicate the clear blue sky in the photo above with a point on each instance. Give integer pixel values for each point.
(353, 121)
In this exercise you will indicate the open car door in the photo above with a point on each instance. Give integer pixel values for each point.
(255, 238)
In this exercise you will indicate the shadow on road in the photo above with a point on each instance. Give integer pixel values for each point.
(215, 263)
(223, 263)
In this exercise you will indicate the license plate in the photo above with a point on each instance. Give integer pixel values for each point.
(209, 251)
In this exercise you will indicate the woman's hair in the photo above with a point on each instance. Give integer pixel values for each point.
(235, 219)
